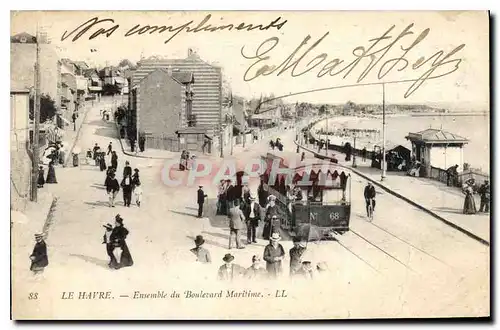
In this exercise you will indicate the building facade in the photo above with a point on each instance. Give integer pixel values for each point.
(20, 177)
(205, 111)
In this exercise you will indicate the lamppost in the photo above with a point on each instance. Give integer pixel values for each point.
(383, 133)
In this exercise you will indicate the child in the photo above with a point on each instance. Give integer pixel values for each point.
(138, 193)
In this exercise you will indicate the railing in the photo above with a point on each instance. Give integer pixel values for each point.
(163, 143)
(441, 175)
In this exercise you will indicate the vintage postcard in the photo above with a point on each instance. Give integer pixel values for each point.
(249, 165)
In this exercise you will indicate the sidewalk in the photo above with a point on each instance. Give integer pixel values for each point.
(71, 136)
(444, 203)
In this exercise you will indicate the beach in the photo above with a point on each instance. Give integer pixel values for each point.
(475, 128)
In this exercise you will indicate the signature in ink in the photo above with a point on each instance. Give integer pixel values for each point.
(369, 58)
(187, 27)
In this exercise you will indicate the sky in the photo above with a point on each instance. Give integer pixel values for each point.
(467, 87)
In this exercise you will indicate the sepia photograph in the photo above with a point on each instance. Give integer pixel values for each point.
(250, 165)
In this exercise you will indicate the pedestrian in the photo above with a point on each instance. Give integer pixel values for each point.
(110, 148)
(296, 253)
(236, 220)
(229, 270)
(39, 258)
(138, 193)
(201, 200)
(370, 195)
(252, 215)
(262, 194)
(271, 220)
(469, 203)
(62, 154)
(135, 177)
(51, 173)
(126, 185)
(220, 196)
(484, 192)
(302, 156)
(41, 177)
(88, 156)
(112, 188)
(202, 254)
(256, 271)
(246, 194)
(73, 117)
(364, 153)
(106, 239)
(451, 174)
(127, 170)
(76, 157)
(96, 151)
(142, 143)
(102, 161)
(114, 160)
(182, 162)
(121, 250)
(273, 255)
(230, 195)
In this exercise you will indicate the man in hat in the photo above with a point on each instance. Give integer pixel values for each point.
(299, 247)
(229, 271)
(370, 194)
(110, 148)
(273, 255)
(236, 224)
(201, 200)
(202, 254)
(127, 170)
(106, 239)
(39, 258)
(256, 271)
(252, 215)
(484, 192)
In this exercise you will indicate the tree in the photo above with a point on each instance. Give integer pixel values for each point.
(126, 62)
(47, 108)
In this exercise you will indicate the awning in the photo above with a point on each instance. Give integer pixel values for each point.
(95, 88)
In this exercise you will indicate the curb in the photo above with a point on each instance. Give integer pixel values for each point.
(409, 201)
(70, 153)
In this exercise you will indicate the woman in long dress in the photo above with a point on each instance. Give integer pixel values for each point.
(469, 203)
(51, 174)
(118, 238)
(41, 177)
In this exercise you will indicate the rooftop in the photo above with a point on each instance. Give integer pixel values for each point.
(433, 135)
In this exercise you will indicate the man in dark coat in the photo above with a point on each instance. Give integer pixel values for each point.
(252, 215)
(127, 187)
(370, 194)
(110, 148)
(484, 192)
(451, 174)
(127, 170)
(114, 160)
(201, 201)
(296, 253)
(273, 255)
(95, 152)
(106, 239)
(39, 258)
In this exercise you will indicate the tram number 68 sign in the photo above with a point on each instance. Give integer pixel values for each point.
(334, 216)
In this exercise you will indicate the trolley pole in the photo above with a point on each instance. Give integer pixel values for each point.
(36, 129)
(383, 133)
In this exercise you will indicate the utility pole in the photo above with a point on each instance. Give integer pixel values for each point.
(36, 129)
(326, 138)
(383, 133)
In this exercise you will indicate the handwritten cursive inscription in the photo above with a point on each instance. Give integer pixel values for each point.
(369, 59)
(187, 27)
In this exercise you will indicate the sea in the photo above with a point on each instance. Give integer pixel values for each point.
(474, 127)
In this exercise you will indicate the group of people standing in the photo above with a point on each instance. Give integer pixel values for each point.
(186, 161)
(469, 202)
(130, 184)
(274, 255)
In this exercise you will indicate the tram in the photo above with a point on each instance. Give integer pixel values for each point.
(313, 196)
